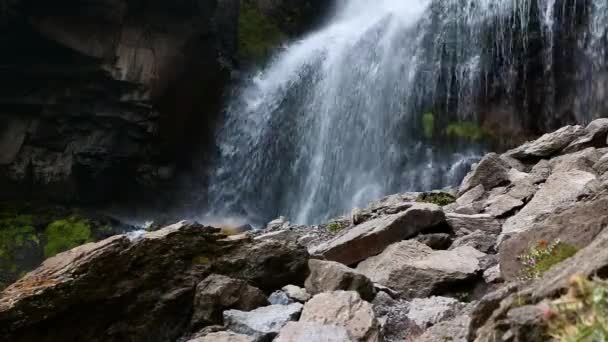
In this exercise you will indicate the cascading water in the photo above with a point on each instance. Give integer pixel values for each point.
(354, 111)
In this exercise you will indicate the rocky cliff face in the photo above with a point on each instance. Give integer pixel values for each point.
(106, 95)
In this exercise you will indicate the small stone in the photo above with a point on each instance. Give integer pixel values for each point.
(279, 298)
(262, 322)
(296, 293)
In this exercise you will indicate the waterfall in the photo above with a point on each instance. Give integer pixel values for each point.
(365, 106)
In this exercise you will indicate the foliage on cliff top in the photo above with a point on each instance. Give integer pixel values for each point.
(544, 255)
(65, 234)
(257, 34)
(582, 314)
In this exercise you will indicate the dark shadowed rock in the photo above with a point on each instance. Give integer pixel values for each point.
(372, 237)
(218, 293)
(328, 276)
(436, 240)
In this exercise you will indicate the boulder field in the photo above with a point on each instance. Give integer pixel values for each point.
(402, 269)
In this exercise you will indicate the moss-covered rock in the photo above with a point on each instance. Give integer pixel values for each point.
(439, 198)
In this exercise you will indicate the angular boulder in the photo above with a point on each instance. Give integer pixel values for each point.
(345, 309)
(549, 144)
(562, 188)
(264, 322)
(312, 331)
(417, 271)
(596, 134)
(218, 293)
(490, 172)
(480, 240)
(577, 225)
(372, 237)
(328, 276)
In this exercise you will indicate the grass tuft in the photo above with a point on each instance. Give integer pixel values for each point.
(544, 255)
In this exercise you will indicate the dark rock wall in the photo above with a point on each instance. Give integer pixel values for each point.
(103, 99)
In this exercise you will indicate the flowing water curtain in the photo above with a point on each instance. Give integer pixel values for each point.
(350, 113)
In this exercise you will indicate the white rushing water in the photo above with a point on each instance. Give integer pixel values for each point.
(335, 120)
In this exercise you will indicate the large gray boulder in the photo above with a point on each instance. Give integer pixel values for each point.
(418, 271)
(595, 136)
(312, 331)
(328, 276)
(156, 273)
(345, 309)
(549, 144)
(561, 189)
(490, 172)
(372, 237)
(577, 225)
(217, 293)
(388, 205)
(263, 322)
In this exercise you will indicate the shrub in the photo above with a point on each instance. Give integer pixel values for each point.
(257, 34)
(65, 234)
(582, 314)
(544, 255)
(439, 198)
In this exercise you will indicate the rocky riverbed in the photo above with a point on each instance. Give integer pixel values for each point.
(440, 266)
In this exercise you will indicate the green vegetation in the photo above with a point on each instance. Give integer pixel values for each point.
(582, 314)
(465, 130)
(428, 124)
(335, 227)
(541, 257)
(65, 234)
(439, 198)
(258, 35)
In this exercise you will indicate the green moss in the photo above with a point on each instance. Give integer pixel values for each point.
(258, 34)
(465, 130)
(335, 227)
(62, 235)
(439, 198)
(428, 124)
